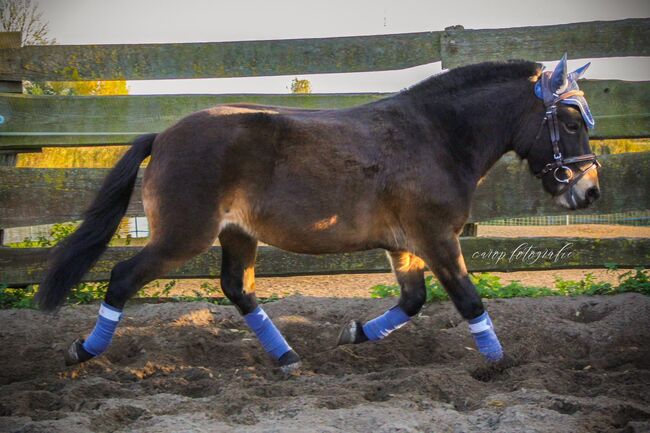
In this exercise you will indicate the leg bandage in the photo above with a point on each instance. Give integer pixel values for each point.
(270, 337)
(380, 327)
(486, 340)
(101, 336)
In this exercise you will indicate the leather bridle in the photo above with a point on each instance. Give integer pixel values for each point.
(562, 173)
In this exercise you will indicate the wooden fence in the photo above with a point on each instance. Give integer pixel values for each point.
(39, 196)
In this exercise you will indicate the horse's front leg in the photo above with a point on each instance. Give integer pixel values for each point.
(409, 271)
(444, 257)
(238, 284)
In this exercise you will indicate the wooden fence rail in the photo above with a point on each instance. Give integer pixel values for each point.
(594, 39)
(22, 266)
(453, 47)
(41, 196)
(622, 110)
(32, 196)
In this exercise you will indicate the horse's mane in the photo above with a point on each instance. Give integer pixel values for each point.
(470, 76)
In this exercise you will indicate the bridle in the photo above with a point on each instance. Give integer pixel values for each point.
(560, 166)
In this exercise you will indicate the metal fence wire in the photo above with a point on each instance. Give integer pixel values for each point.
(632, 218)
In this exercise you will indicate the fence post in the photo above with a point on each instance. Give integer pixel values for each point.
(469, 230)
(8, 158)
(9, 40)
(448, 48)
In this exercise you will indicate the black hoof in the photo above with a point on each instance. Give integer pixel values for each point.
(352, 333)
(76, 353)
(289, 362)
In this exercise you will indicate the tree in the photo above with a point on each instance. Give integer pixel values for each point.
(24, 16)
(76, 88)
(300, 86)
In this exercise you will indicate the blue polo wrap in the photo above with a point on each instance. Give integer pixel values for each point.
(101, 336)
(486, 340)
(380, 327)
(266, 332)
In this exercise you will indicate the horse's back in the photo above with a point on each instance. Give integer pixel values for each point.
(286, 176)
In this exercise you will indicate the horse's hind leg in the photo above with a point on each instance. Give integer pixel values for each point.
(127, 278)
(238, 284)
(409, 270)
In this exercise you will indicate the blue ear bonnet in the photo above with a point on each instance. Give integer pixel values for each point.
(552, 85)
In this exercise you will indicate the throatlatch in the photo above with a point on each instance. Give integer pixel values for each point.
(486, 339)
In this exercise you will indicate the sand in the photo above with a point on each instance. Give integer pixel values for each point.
(578, 365)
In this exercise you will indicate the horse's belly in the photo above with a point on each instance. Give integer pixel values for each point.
(329, 234)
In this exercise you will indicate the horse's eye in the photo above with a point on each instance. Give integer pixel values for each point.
(572, 126)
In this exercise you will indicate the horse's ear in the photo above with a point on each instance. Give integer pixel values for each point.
(578, 73)
(539, 68)
(559, 77)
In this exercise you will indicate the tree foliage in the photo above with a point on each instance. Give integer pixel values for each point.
(300, 86)
(77, 88)
(24, 16)
(73, 157)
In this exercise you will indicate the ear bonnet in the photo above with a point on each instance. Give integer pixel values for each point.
(552, 85)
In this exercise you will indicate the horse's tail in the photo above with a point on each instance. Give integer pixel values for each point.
(76, 254)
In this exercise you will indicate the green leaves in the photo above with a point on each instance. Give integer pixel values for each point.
(489, 286)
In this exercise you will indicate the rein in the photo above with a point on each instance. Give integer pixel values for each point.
(560, 165)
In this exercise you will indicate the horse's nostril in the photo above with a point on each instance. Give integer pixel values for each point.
(593, 194)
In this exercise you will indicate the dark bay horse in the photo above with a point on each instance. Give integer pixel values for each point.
(397, 174)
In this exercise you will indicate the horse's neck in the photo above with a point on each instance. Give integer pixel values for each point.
(491, 140)
(481, 130)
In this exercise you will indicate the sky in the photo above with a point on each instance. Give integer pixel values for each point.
(163, 21)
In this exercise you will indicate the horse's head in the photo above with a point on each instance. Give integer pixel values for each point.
(560, 154)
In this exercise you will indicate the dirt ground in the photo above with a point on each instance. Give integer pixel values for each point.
(579, 365)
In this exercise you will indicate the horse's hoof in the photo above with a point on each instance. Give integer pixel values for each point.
(352, 333)
(76, 353)
(289, 363)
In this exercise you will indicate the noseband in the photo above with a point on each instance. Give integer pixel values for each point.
(562, 173)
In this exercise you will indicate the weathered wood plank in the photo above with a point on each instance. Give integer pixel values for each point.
(8, 158)
(219, 59)
(32, 196)
(308, 56)
(8, 40)
(622, 109)
(20, 266)
(630, 37)
(86, 120)
(509, 190)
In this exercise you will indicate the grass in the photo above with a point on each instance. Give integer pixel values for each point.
(490, 286)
